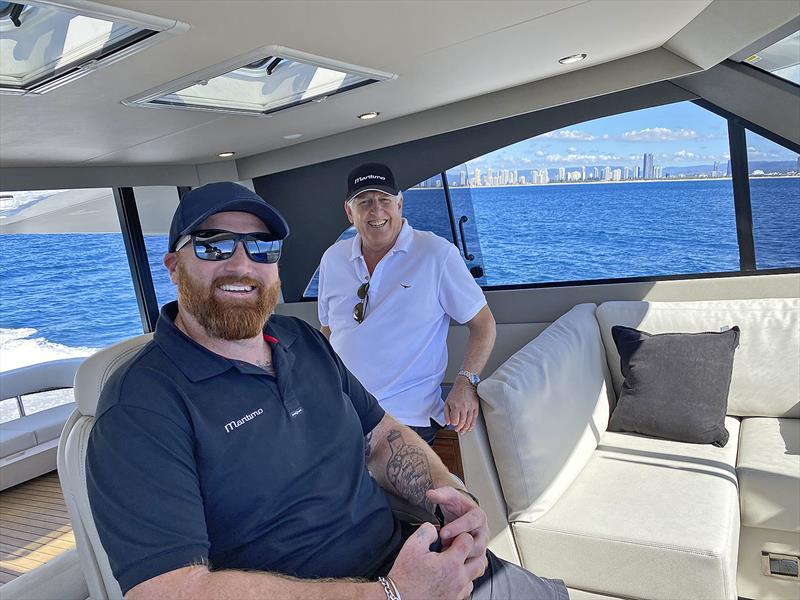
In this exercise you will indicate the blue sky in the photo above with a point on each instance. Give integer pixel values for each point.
(679, 134)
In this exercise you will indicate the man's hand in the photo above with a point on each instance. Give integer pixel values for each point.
(462, 515)
(424, 575)
(462, 406)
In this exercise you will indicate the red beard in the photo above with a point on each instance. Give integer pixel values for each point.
(228, 319)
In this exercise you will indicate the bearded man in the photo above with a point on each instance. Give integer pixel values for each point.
(236, 457)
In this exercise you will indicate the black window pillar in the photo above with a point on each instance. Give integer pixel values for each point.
(450, 215)
(741, 195)
(137, 257)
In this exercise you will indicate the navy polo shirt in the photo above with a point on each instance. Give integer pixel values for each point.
(195, 457)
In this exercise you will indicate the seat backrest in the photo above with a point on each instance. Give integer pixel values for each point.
(89, 381)
(766, 379)
(545, 409)
(51, 375)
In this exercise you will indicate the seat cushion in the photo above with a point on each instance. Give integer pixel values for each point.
(646, 518)
(769, 473)
(545, 409)
(765, 381)
(15, 440)
(44, 425)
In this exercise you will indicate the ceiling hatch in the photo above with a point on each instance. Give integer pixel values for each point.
(261, 83)
(45, 44)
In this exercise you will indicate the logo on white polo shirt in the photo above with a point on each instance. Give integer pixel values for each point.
(239, 422)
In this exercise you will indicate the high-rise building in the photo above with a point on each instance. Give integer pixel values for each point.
(477, 177)
(616, 175)
(463, 178)
(626, 174)
(728, 170)
(522, 179)
(595, 174)
(648, 167)
(583, 173)
(656, 172)
(607, 174)
(637, 172)
(562, 174)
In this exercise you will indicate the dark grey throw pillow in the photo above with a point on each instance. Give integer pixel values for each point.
(676, 384)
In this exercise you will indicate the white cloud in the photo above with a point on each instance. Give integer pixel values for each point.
(572, 149)
(571, 134)
(584, 158)
(539, 153)
(659, 134)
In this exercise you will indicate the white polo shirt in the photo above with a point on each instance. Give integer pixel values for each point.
(399, 351)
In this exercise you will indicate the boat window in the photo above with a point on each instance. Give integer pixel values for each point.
(40, 44)
(156, 205)
(782, 58)
(261, 84)
(775, 200)
(425, 208)
(644, 193)
(66, 285)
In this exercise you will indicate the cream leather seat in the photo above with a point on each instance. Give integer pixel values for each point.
(89, 381)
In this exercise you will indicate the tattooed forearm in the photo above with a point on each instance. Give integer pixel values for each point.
(408, 470)
(368, 444)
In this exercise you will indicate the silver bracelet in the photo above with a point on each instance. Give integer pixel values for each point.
(389, 588)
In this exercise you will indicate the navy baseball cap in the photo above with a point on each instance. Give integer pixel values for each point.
(200, 203)
(371, 177)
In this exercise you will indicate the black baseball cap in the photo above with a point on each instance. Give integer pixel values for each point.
(375, 177)
(200, 203)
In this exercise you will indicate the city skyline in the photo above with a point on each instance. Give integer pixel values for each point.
(648, 171)
(675, 137)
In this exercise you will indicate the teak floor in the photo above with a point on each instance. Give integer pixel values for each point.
(34, 526)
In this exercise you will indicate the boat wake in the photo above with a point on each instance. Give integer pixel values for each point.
(22, 347)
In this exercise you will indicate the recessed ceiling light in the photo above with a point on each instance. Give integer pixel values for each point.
(226, 154)
(573, 58)
(368, 115)
(293, 136)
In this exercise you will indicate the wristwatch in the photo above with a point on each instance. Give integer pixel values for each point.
(474, 379)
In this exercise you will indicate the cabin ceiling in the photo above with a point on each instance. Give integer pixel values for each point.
(443, 52)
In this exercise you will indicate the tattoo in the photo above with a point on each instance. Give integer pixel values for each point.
(409, 471)
(368, 444)
(267, 366)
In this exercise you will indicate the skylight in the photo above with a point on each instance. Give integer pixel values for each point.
(261, 83)
(782, 58)
(46, 44)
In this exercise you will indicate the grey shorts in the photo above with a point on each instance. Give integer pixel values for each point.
(506, 581)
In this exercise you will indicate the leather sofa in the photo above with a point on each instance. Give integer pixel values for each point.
(622, 515)
(28, 444)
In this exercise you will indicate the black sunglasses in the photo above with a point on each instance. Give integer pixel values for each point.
(218, 244)
(360, 309)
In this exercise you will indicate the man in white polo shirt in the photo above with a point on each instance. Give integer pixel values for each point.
(386, 298)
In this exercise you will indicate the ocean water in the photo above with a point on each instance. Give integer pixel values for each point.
(65, 295)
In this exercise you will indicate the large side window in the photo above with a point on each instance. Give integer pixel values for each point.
(66, 286)
(644, 193)
(774, 175)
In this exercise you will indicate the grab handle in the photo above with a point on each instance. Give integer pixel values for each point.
(461, 221)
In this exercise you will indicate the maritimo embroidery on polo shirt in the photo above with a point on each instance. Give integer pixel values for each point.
(234, 424)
